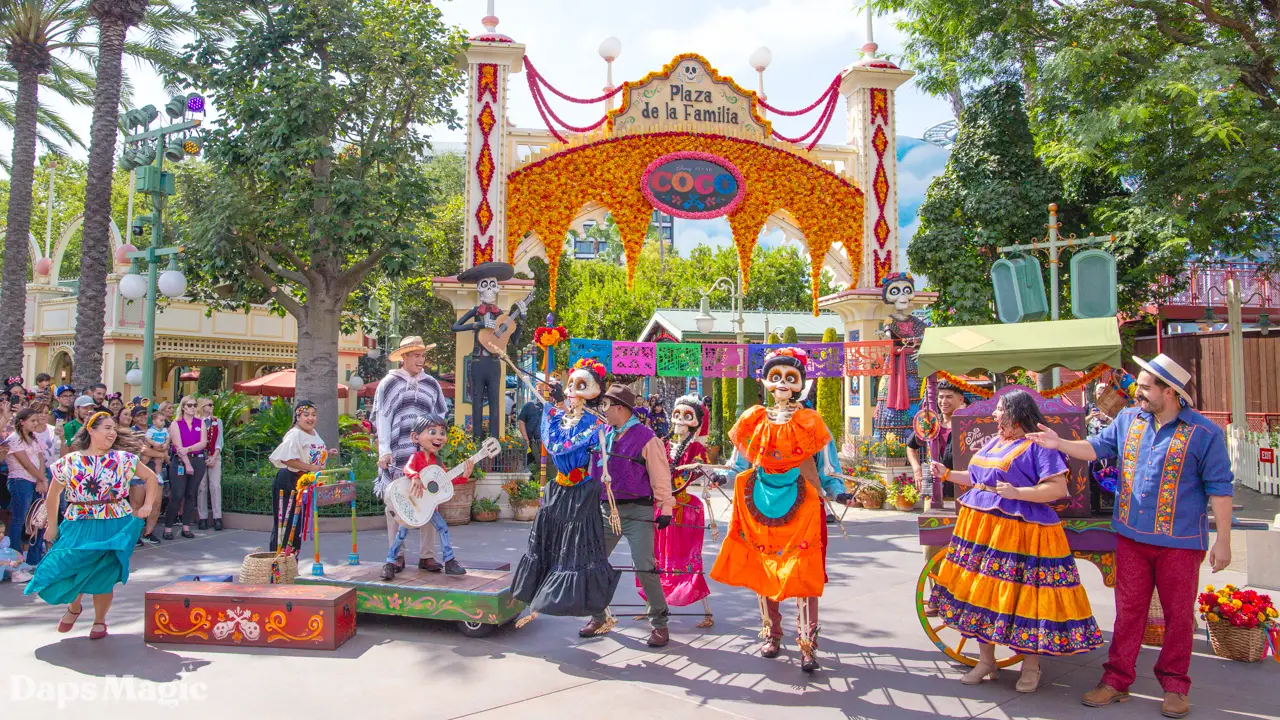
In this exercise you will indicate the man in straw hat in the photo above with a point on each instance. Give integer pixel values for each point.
(1173, 463)
(403, 395)
(488, 378)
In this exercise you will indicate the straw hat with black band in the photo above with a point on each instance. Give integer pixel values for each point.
(1170, 372)
(410, 344)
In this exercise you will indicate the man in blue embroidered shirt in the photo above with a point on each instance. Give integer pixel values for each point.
(1173, 463)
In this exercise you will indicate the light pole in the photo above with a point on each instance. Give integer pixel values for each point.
(706, 321)
(145, 153)
(1235, 336)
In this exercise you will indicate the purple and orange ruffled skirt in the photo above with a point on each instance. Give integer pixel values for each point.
(1010, 582)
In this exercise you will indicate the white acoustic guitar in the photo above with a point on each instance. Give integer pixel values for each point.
(437, 488)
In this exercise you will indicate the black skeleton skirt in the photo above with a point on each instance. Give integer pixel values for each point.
(566, 570)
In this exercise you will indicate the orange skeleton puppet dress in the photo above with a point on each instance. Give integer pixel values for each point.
(786, 462)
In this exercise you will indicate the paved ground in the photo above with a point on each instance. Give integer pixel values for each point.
(878, 662)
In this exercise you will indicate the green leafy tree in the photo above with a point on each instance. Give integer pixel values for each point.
(789, 335)
(1180, 101)
(160, 20)
(994, 191)
(729, 404)
(750, 392)
(315, 176)
(830, 406)
(210, 380)
(714, 388)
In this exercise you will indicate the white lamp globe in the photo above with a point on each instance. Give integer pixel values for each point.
(172, 283)
(373, 354)
(761, 58)
(610, 48)
(133, 286)
(134, 376)
(355, 382)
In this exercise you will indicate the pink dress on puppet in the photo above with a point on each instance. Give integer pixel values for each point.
(678, 549)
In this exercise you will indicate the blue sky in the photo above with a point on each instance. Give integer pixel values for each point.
(811, 40)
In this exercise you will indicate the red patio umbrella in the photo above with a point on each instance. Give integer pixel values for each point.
(190, 376)
(277, 384)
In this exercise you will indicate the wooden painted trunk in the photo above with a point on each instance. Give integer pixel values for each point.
(314, 617)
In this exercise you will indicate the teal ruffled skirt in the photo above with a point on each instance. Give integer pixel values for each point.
(89, 557)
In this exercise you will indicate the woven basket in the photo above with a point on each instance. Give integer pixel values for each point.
(1237, 643)
(257, 569)
(1154, 632)
(1111, 401)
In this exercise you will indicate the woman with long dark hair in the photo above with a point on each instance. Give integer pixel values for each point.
(1008, 577)
(189, 436)
(27, 480)
(94, 540)
(301, 451)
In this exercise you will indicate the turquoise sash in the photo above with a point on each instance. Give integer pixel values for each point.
(774, 495)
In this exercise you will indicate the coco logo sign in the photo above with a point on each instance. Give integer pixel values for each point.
(693, 185)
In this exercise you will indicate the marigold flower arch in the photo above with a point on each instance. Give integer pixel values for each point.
(546, 195)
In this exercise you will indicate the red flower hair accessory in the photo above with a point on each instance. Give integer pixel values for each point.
(591, 365)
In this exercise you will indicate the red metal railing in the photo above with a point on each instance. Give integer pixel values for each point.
(1256, 422)
(1207, 285)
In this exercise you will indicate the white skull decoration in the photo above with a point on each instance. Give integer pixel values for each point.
(684, 416)
(898, 290)
(782, 378)
(488, 290)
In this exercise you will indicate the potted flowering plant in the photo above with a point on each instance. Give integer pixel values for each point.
(456, 450)
(524, 496)
(871, 496)
(903, 492)
(484, 509)
(1238, 621)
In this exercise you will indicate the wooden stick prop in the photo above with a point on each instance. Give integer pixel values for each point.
(615, 519)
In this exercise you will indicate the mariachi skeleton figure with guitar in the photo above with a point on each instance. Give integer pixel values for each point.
(494, 331)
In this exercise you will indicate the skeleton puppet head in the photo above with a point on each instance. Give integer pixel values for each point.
(585, 380)
(686, 415)
(897, 290)
(487, 288)
(784, 374)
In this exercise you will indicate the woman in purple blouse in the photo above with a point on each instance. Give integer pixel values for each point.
(1008, 577)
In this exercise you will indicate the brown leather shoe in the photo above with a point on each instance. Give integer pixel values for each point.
(399, 563)
(659, 638)
(771, 647)
(430, 565)
(1104, 695)
(1175, 705)
(591, 629)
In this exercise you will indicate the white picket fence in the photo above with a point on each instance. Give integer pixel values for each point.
(1243, 447)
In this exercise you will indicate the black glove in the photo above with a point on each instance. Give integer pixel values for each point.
(845, 498)
(663, 521)
(557, 391)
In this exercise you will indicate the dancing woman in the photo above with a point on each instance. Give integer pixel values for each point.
(92, 547)
(1008, 577)
(566, 570)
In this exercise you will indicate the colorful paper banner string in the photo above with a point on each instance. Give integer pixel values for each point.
(826, 359)
(679, 359)
(601, 350)
(724, 361)
(634, 358)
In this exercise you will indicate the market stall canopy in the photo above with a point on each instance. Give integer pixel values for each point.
(1034, 346)
(277, 384)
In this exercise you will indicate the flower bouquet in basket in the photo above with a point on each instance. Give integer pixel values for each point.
(1238, 621)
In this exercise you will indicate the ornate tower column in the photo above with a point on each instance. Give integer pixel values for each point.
(490, 61)
(868, 88)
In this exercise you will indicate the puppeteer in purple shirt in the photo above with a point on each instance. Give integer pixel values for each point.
(1167, 474)
(1020, 463)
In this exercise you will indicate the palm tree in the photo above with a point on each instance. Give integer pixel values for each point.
(32, 32)
(161, 19)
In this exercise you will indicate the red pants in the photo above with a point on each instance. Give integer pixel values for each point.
(1175, 575)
